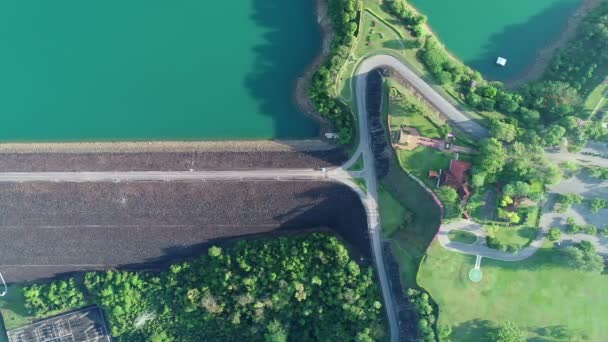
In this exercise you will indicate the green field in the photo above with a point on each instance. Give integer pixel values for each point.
(462, 236)
(13, 310)
(538, 294)
(392, 213)
(520, 236)
(426, 122)
(422, 160)
(596, 99)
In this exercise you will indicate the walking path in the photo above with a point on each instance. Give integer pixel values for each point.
(480, 248)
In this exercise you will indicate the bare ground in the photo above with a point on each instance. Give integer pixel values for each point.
(50, 229)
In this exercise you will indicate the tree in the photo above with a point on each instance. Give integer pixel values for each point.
(215, 251)
(509, 332)
(517, 189)
(554, 234)
(491, 160)
(583, 256)
(554, 99)
(554, 134)
(503, 131)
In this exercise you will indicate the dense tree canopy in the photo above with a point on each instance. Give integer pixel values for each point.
(304, 288)
(583, 62)
(344, 15)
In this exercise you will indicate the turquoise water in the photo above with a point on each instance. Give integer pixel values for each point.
(131, 70)
(479, 31)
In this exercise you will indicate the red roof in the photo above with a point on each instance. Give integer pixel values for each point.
(459, 169)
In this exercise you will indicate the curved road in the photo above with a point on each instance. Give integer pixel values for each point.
(438, 101)
(340, 174)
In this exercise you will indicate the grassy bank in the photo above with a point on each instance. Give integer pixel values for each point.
(539, 294)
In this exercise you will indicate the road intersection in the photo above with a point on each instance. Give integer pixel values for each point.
(369, 198)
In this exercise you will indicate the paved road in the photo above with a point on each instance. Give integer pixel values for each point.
(133, 176)
(579, 158)
(370, 200)
(456, 117)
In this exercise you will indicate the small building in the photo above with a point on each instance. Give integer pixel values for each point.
(501, 61)
(456, 177)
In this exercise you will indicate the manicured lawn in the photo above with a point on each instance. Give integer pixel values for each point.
(462, 237)
(392, 213)
(593, 100)
(375, 35)
(400, 115)
(358, 165)
(538, 294)
(423, 159)
(412, 240)
(520, 236)
(361, 183)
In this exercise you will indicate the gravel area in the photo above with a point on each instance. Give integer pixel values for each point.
(169, 156)
(49, 229)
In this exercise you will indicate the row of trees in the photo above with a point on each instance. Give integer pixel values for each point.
(522, 161)
(297, 288)
(548, 107)
(427, 317)
(583, 256)
(44, 299)
(344, 16)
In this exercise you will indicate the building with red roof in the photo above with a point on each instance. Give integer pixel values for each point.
(457, 177)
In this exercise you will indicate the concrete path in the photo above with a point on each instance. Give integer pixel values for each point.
(480, 248)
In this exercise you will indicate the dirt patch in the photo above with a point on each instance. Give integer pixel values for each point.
(544, 56)
(50, 228)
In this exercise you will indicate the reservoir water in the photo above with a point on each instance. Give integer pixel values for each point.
(479, 31)
(154, 69)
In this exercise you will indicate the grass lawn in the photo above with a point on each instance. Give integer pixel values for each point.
(462, 237)
(400, 115)
(13, 308)
(538, 294)
(361, 183)
(520, 236)
(423, 159)
(358, 165)
(596, 99)
(392, 213)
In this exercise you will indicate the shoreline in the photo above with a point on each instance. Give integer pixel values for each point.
(544, 56)
(302, 85)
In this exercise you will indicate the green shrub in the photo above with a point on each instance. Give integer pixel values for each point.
(60, 295)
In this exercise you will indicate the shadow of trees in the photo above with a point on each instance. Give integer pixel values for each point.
(538, 30)
(290, 43)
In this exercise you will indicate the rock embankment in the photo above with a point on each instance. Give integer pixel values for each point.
(49, 229)
(169, 156)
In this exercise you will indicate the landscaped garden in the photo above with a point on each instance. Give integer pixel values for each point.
(542, 295)
(462, 236)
